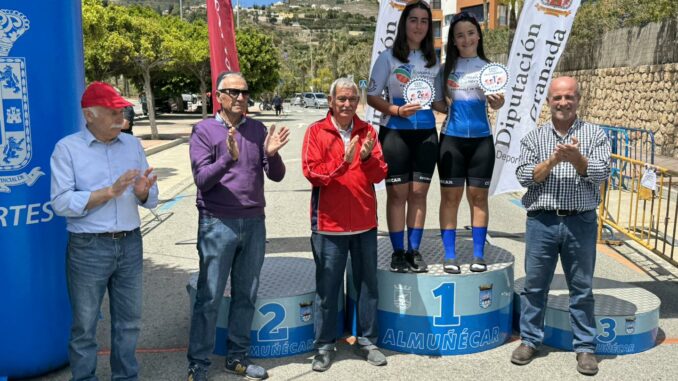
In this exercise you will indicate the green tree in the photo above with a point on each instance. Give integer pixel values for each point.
(129, 41)
(104, 39)
(151, 39)
(191, 54)
(259, 59)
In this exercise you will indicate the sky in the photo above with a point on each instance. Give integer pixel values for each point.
(249, 3)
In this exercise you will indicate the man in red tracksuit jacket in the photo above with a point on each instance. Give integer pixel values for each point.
(342, 159)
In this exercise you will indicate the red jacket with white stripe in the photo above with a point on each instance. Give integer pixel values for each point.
(343, 198)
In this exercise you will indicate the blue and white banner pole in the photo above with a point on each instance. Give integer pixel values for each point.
(41, 81)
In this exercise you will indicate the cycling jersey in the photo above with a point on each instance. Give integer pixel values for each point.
(467, 115)
(390, 75)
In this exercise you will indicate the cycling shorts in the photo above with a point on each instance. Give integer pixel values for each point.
(466, 160)
(411, 155)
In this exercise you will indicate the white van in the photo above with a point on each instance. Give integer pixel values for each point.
(316, 100)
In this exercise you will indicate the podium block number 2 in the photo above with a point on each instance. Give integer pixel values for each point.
(271, 331)
(446, 293)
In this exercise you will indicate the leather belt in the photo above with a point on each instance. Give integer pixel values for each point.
(557, 212)
(115, 235)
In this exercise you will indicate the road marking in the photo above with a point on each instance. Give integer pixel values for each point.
(619, 258)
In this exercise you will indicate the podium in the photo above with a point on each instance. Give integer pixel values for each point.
(627, 317)
(283, 317)
(441, 314)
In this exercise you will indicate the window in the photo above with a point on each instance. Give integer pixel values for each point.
(503, 15)
(476, 11)
(436, 29)
(435, 4)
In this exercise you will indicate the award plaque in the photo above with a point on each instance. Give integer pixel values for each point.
(419, 90)
(493, 78)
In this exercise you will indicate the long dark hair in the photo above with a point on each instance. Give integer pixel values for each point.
(452, 52)
(400, 48)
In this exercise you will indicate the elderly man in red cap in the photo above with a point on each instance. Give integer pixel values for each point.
(99, 179)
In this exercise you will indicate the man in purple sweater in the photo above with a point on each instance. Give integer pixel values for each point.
(229, 156)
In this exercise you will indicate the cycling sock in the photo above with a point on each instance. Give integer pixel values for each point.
(397, 239)
(414, 238)
(449, 241)
(479, 236)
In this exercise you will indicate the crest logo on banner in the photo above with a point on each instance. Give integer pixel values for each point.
(402, 297)
(630, 325)
(485, 297)
(398, 4)
(305, 311)
(555, 7)
(15, 128)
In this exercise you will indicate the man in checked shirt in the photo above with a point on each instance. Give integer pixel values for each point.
(562, 164)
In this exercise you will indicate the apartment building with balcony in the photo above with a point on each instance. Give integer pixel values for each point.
(497, 15)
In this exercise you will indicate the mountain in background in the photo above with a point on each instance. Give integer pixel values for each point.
(163, 5)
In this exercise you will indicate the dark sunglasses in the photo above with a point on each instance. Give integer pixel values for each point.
(463, 16)
(235, 92)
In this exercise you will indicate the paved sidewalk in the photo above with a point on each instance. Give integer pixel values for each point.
(170, 258)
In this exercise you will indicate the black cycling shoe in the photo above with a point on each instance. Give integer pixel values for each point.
(415, 262)
(398, 263)
(451, 266)
(478, 265)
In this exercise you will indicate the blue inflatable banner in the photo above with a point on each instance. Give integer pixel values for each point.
(41, 81)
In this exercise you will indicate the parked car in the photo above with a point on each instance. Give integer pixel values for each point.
(297, 100)
(316, 100)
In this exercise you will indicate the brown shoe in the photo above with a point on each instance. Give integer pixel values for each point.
(587, 364)
(523, 354)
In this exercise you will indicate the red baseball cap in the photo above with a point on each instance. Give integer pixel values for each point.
(104, 95)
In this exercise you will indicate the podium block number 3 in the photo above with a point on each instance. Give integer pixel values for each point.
(608, 334)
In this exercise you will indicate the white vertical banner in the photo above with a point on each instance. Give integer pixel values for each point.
(384, 36)
(543, 29)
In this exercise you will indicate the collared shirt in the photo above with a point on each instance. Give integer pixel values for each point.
(81, 164)
(227, 124)
(345, 134)
(564, 188)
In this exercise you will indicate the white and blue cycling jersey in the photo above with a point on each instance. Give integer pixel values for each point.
(390, 75)
(467, 115)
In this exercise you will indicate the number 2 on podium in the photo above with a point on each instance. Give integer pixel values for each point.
(271, 330)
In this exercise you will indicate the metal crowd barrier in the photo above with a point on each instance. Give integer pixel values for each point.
(645, 216)
(633, 143)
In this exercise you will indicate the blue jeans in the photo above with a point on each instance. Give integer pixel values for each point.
(330, 253)
(574, 238)
(93, 265)
(234, 246)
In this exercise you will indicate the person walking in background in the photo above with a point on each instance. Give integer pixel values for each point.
(144, 104)
(277, 104)
(128, 119)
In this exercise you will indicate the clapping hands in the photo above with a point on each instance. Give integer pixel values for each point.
(275, 140)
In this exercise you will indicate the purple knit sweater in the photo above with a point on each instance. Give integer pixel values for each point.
(227, 188)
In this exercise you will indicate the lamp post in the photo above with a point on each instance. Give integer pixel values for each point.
(311, 48)
(181, 10)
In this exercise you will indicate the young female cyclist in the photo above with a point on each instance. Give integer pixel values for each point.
(466, 153)
(408, 133)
